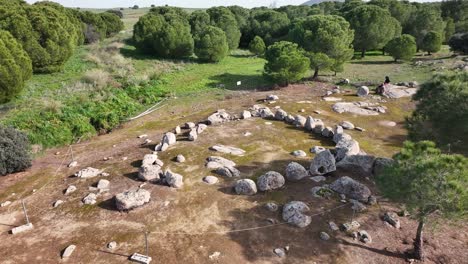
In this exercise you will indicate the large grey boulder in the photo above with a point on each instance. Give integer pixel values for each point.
(299, 121)
(174, 180)
(266, 113)
(295, 172)
(280, 114)
(88, 173)
(363, 91)
(228, 150)
(351, 188)
(323, 163)
(319, 126)
(269, 181)
(169, 139)
(226, 171)
(149, 172)
(347, 147)
(347, 125)
(131, 199)
(219, 117)
(149, 159)
(310, 123)
(359, 163)
(245, 187)
(214, 162)
(272, 97)
(380, 164)
(328, 132)
(289, 119)
(294, 213)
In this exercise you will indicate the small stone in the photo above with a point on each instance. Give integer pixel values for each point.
(215, 255)
(280, 252)
(210, 180)
(90, 199)
(193, 135)
(147, 141)
(88, 173)
(73, 164)
(350, 227)
(357, 206)
(272, 207)
(268, 123)
(333, 226)
(392, 219)
(302, 111)
(124, 158)
(105, 174)
(347, 125)
(68, 251)
(317, 149)
(173, 179)
(364, 237)
(245, 187)
(272, 97)
(324, 236)
(103, 185)
(299, 153)
(247, 134)
(360, 129)
(246, 114)
(318, 178)
(363, 91)
(57, 203)
(189, 125)
(178, 130)
(180, 158)
(143, 136)
(112, 245)
(6, 203)
(70, 189)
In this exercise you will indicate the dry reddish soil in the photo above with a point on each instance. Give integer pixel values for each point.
(190, 224)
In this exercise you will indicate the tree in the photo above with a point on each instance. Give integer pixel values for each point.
(402, 48)
(401, 10)
(113, 23)
(135, 7)
(327, 38)
(286, 62)
(432, 42)
(295, 12)
(257, 46)
(15, 69)
(373, 27)
(166, 36)
(95, 27)
(449, 29)
(430, 184)
(199, 20)
(441, 113)
(14, 150)
(223, 18)
(270, 25)
(211, 45)
(423, 20)
(459, 43)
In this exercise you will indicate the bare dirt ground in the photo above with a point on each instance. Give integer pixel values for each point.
(189, 225)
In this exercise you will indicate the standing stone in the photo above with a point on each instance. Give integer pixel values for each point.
(132, 199)
(295, 172)
(280, 114)
(294, 213)
(149, 159)
(323, 163)
(169, 138)
(358, 163)
(319, 126)
(70, 189)
(245, 187)
(300, 121)
(364, 237)
(173, 179)
(269, 181)
(193, 135)
(201, 128)
(290, 119)
(178, 130)
(90, 199)
(310, 123)
(363, 91)
(246, 114)
(149, 172)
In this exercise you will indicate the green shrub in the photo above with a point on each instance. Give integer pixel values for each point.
(113, 23)
(286, 62)
(211, 45)
(459, 43)
(402, 48)
(257, 46)
(14, 151)
(199, 20)
(166, 36)
(15, 68)
(95, 27)
(116, 12)
(270, 25)
(432, 42)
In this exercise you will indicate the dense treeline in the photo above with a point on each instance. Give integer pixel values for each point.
(326, 33)
(47, 34)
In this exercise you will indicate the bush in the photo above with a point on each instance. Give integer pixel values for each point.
(285, 62)
(112, 23)
(432, 42)
(257, 46)
(166, 36)
(402, 48)
(95, 27)
(14, 151)
(270, 25)
(116, 12)
(211, 45)
(441, 114)
(459, 43)
(15, 68)
(198, 21)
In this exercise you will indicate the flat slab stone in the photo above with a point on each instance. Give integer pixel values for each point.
(139, 258)
(23, 228)
(396, 92)
(353, 108)
(332, 99)
(68, 251)
(228, 150)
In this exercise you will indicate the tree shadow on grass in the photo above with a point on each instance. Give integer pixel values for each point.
(365, 62)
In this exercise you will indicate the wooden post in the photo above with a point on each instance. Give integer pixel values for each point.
(25, 212)
(146, 242)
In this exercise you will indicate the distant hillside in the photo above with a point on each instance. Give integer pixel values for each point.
(313, 2)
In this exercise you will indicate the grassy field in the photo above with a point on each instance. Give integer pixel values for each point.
(105, 83)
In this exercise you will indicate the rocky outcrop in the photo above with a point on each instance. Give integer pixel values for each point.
(357, 163)
(214, 162)
(132, 199)
(295, 213)
(351, 188)
(219, 117)
(88, 173)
